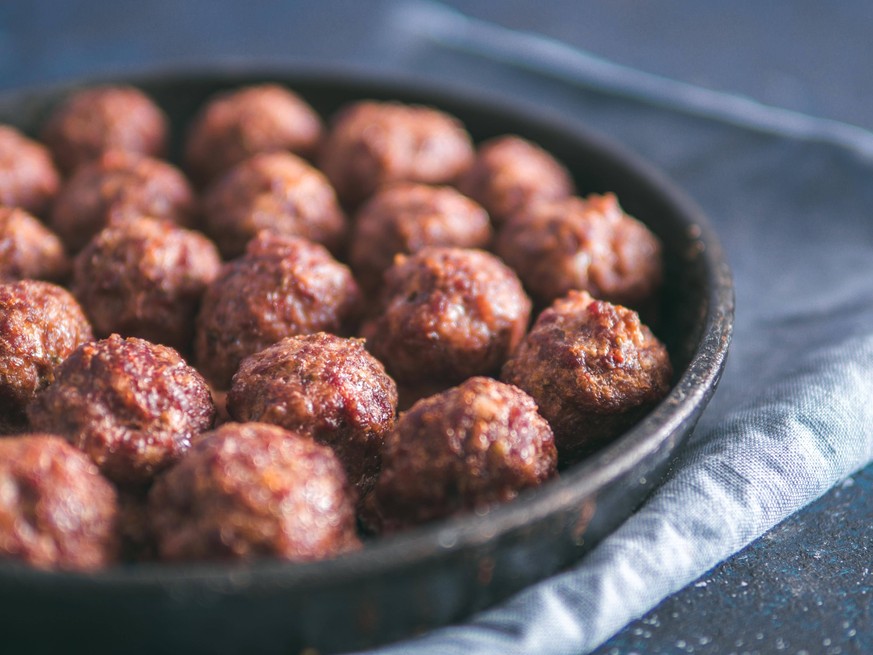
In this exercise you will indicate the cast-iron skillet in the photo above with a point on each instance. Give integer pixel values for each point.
(444, 571)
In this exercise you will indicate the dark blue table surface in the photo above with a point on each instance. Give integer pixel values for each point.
(804, 587)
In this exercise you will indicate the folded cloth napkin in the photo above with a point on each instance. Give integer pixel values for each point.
(790, 196)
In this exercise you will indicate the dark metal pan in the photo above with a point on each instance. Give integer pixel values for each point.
(444, 571)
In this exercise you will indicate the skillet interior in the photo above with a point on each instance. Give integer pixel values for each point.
(440, 572)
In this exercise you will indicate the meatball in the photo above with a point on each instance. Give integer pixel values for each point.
(28, 178)
(29, 250)
(588, 245)
(96, 120)
(371, 144)
(281, 287)
(133, 406)
(120, 186)
(274, 191)
(510, 174)
(235, 125)
(323, 387)
(144, 278)
(56, 510)
(40, 326)
(405, 218)
(252, 489)
(592, 368)
(467, 448)
(449, 313)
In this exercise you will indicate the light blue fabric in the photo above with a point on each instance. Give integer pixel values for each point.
(791, 197)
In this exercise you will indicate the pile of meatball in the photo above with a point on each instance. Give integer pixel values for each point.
(305, 335)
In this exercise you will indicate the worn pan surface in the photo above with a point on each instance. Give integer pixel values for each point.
(445, 571)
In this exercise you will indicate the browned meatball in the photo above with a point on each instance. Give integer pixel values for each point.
(29, 250)
(371, 144)
(281, 287)
(510, 173)
(324, 387)
(588, 245)
(28, 178)
(405, 218)
(120, 186)
(97, 120)
(252, 489)
(145, 278)
(131, 405)
(56, 510)
(234, 125)
(273, 191)
(469, 447)
(40, 325)
(449, 313)
(592, 368)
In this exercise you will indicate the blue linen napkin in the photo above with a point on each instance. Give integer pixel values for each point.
(790, 196)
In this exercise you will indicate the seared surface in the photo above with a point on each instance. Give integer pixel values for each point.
(145, 278)
(448, 314)
(272, 191)
(406, 217)
(40, 325)
(252, 489)
(371, 144)
(592, 368)
(324, 387)
(96, 120)
(585, 244)
(467, 448)
(29, 250)
(28, 178)
(511, 174)
(56, 510)
(281, 287)
(234, 125)
(133, 406)
(120, 186)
